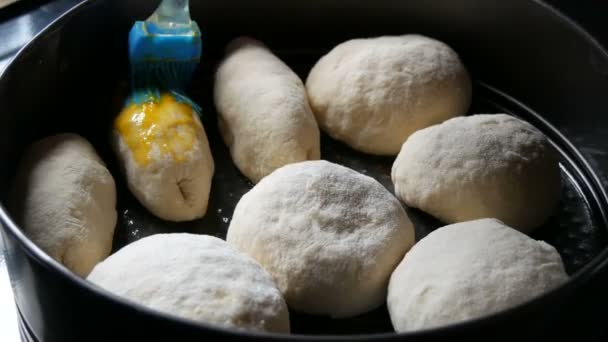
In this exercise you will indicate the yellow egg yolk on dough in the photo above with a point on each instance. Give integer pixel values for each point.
(156, 128)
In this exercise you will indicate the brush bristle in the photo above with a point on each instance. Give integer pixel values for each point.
(162, 74)
(146, 95)
(163, 61)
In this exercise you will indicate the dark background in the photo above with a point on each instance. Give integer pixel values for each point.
(19, 22)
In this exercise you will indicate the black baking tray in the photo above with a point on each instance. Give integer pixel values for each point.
(526, 59)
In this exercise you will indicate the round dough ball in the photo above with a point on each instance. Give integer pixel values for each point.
(480, 166)
(264, 115)
(328, 235)
(198, 277)
(373, 93)
(468, 270)
(64, 199)
(165, 156)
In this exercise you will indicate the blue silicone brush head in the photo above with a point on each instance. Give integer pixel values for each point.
(164, 50)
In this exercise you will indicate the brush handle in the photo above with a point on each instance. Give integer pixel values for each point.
(172, 16)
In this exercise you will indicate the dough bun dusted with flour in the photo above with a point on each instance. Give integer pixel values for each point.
(468, 270)
(264, 115)
(373, 93)
(64, 199)
(165, 157)
(328, 235)
(198, 277)
(480, 166)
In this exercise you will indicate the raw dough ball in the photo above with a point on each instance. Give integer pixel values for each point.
(480, 166)
(468, 270)
(264, 115)
(64, 199)
(165, 156)
(198, 277)
(328, 235)
(373, 93)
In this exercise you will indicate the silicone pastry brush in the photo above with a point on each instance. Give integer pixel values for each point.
(164, 51)
(158, 137)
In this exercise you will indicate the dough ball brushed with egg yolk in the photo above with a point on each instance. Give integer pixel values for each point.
(165, 155)
(64, 199)
(197, 277)
(264, 115)
(328, 235)
(468, 270)
(373, 93)
(489, 165)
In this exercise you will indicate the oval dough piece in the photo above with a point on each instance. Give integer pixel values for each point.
(480, 166)
(198, 277)
(468, 270)
(328, 235)
(165, 156)
(373, 93)
(64, 199)
(264, 115)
